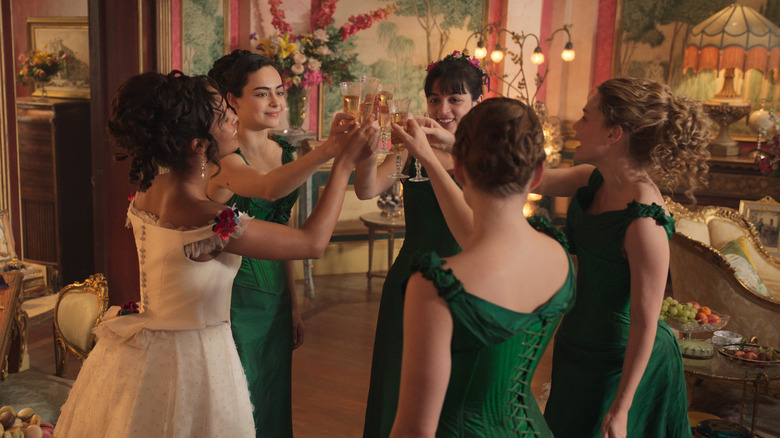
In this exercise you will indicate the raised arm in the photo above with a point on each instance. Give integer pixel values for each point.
(647, 249)
(372, 179)
(235, 176)
(269, 241)
(426, 363)
(565, 181)
(457, 213)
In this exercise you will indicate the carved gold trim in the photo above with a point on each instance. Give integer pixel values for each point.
(164, 37)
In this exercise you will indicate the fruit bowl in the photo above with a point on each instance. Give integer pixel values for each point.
(695, 327)
(728, 353)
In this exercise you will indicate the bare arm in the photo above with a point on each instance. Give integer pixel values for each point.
(371, 180)
(239, 178)
(269, 241)
(426, 363)
(565, 181)
(457, 213)
(647, 250)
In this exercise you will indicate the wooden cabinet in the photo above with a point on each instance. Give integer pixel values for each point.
(55, 186)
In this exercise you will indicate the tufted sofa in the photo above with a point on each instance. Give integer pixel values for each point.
(700, 272)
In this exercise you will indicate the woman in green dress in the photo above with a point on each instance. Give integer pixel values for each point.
(476, 324)
(617, 369)
(262, 179)
(452, 87)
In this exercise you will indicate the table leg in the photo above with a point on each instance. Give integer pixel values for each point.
(390, 242)
(370, 252)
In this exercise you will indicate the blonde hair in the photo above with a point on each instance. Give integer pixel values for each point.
(667, 132)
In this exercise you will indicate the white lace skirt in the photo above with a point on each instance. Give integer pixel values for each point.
(186, 383)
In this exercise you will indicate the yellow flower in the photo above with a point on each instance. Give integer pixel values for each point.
(286, 48)
(265, 48)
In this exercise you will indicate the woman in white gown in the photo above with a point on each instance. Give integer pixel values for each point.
(173, 370)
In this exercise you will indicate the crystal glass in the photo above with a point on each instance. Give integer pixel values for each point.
(368, 90)
(350, 97)
(417, 165)
(399, 111)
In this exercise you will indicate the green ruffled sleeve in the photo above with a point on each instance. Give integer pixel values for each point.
(430, 266)
(638, 210)
(541, 224)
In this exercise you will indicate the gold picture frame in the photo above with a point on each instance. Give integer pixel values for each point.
(764, 214)
(7, 248)
(69, 35)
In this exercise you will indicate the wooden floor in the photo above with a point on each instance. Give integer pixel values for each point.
(330, 371)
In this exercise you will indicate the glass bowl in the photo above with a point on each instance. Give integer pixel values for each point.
(727, 353)
(695, 327)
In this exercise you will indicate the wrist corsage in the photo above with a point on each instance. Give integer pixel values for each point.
(226, 222)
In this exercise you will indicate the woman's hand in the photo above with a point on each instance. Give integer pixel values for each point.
(297, 328)
(357, 144)
(438, 137)
(614, 424)
(416, 141)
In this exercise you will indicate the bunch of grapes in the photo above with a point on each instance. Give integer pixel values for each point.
(672, 309)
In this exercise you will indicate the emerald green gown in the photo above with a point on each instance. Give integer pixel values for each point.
(591, 342)
(494, 354)
(261, 319)
(426, 230)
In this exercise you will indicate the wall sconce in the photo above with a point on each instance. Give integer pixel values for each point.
(518, 83)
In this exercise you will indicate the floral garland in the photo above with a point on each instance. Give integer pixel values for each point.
(225, 223)
(324, 55)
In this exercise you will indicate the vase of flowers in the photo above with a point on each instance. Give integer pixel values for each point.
(308, 59)
(38, 67)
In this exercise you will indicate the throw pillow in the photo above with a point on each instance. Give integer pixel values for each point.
(738, 256)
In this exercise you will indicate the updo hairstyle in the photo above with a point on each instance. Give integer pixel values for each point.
(499, 143)
(231, 72)
(455, 76)
(667, 132)
(155, 117)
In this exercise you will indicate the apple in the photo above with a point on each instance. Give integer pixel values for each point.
(764, 357)
(739, 353)
(752, 355)
(695, 305)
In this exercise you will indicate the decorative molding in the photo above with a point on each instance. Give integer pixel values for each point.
(164, 36)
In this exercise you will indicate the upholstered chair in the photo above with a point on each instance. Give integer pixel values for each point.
(717, 260)
(79, 309)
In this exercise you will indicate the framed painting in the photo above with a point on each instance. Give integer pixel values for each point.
(764, 214)
(69, 35)
(205, 34)
(398, 49)
(650, 39)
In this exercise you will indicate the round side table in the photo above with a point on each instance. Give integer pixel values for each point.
(376, 221)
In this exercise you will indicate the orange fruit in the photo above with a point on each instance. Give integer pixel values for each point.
(705, 310)
(713, 319)
(702, 318)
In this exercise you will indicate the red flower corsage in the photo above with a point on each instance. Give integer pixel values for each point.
(131, 197)
(226, 222)
(128, 308)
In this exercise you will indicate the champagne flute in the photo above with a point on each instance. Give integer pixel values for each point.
(384, 93)
(369, 87)
(350, 97)
(417, 165)
(399, 111)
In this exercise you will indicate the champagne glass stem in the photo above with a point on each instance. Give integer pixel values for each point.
(398, 163)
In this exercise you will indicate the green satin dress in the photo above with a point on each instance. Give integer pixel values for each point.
(591, 343)
(426, 230)
(495, 352)
(261, 319)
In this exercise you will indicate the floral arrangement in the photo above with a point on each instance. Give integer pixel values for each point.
(128, 308)
(225, 223)
(768, 154)
(40, 66)
(308, 59)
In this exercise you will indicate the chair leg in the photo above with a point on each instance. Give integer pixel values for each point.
(59, 355)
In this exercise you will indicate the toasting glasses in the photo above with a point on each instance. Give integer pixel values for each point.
(399, 111)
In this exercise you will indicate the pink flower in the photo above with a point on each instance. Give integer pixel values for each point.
(296, 80)
(299, 58)
(323, 50)
(311, 78)
(314, 64)
(297, 69)
(41, 74)
(225, 223)
(320, 35)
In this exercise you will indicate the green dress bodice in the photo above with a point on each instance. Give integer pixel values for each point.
(591, 342)
(495, 352)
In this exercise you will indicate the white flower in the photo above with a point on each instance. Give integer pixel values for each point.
(296, 80)
(297, 69)
(320, 35)
(299, 58)
(314, 64)
(323, 50)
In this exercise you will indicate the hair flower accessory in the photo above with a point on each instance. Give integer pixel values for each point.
(226, 222)
(128, 308)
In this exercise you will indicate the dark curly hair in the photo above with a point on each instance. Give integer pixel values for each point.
(499, 143)
(455, 76)
(155, 117)
(231, 71)
(667, 132)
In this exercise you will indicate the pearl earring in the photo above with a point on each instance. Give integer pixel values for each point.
(203, 168)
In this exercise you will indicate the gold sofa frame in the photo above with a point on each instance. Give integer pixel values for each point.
(95, 285)
(701, 273)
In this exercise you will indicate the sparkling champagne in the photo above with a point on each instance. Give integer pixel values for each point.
(384, 96)
(350, 103)
(365, 111)
(398, 144)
